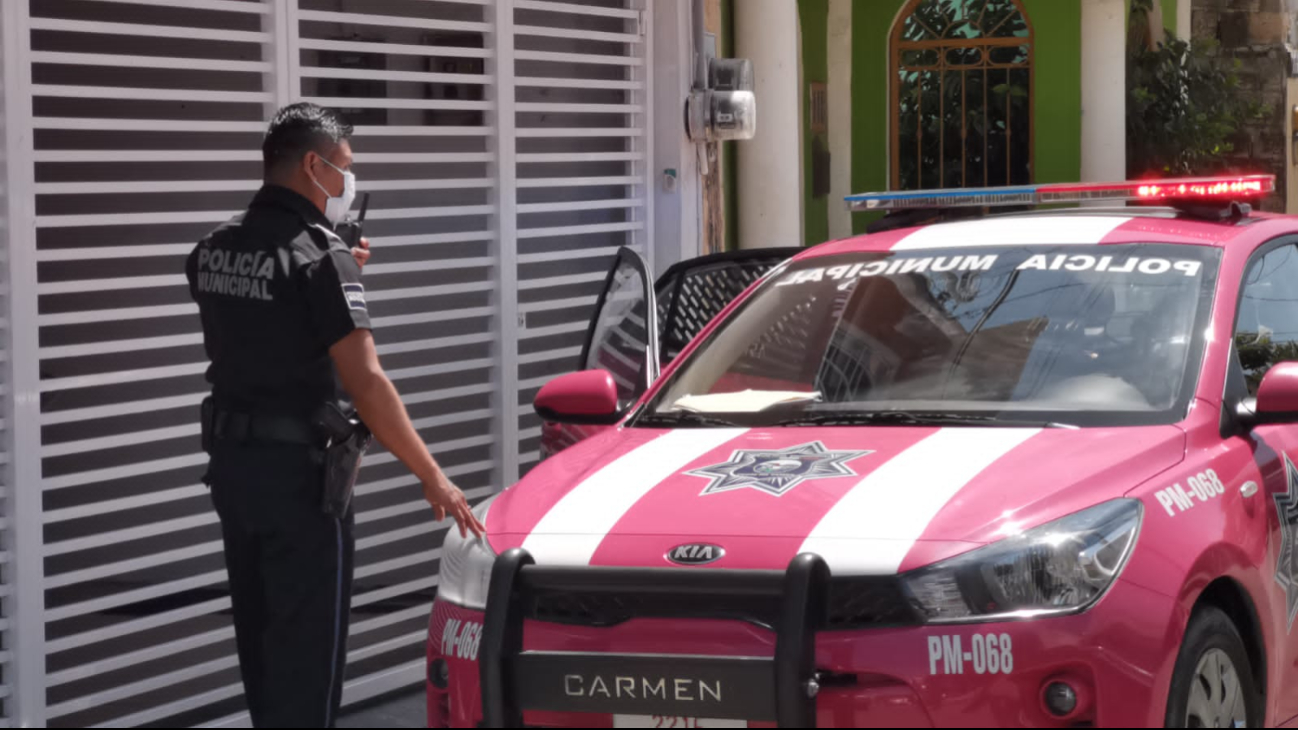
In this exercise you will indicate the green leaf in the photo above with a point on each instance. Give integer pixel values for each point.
(1185, 106)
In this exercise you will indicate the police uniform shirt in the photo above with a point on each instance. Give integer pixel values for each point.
(276, 288)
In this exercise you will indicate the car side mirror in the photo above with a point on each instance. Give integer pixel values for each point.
(586, 397)
(1277, 395)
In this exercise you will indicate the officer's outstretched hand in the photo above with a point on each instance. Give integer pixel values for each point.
(447, 499)
(362, 252)
(380, 406)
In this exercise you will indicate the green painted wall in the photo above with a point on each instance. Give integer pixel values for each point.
(1057, 93)
(1057, 89)
(1169, 14)
(813, 16)
(871, 28)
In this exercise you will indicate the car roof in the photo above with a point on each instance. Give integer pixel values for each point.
(1075, 226)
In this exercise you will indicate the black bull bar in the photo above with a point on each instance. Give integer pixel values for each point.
(782, 688)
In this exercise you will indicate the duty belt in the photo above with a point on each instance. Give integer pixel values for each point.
(237, 426)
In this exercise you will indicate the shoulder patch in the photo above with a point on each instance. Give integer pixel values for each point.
(355, 296)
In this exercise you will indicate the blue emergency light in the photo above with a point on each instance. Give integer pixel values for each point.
(1188, 189)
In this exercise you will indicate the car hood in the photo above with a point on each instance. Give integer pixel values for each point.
(871, 500)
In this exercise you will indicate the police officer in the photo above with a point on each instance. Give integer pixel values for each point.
(287, 330)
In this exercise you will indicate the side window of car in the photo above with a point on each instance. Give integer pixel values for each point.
(1266, 327)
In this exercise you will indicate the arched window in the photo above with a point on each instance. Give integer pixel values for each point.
(961, 94)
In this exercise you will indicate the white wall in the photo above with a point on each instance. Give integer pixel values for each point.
(678, 217)
(770, 196)
(1104, 101)
(840, 117)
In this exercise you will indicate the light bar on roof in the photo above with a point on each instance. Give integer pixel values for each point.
(1187, 189)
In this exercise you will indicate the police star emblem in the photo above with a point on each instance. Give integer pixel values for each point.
(776, 471)
(1286, 564)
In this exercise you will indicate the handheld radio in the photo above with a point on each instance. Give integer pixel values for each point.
(350, 230)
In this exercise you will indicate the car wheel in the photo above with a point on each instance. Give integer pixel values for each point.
(1212, 683)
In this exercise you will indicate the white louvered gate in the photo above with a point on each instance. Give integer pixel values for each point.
(582, 130)
(7, 565)
(505, 143)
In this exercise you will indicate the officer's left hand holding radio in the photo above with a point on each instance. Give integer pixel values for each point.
(362, 252)
(350, 231)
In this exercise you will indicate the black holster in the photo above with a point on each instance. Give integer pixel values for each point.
(347, 440)
(207, 423)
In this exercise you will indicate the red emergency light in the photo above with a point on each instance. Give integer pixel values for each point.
(1182, 190)
(1186, 189)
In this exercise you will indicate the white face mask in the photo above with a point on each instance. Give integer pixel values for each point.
(337, 207)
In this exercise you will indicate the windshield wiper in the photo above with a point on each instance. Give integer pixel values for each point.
(913, 419)
(676, 419)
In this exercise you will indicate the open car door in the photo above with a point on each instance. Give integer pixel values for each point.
(622, 339)
(637, 330)
(623, 334)
(693, 292)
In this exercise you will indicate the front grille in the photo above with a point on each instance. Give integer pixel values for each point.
(854, 603)
(586, 609)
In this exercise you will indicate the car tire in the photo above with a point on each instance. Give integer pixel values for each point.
(1212, 660)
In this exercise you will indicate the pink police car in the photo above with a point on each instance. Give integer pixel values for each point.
(1032, 469)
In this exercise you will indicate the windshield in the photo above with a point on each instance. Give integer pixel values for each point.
(1106, 335)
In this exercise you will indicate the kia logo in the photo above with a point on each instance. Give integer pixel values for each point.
(696, 553)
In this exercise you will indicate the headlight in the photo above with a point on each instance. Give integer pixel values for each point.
(466, 565)
(1063, 566)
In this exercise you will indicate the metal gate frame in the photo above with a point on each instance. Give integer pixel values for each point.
(24, 603)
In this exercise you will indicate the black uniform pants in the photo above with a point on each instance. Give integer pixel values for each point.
(290, 568)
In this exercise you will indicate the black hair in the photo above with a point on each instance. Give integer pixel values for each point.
(298, 129)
